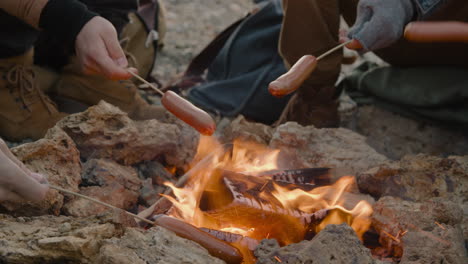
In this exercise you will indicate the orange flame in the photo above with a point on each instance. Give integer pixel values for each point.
(207, 200)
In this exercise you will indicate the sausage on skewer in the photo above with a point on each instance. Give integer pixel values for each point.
(189, 113)
(293, 79)
(215, 246)
(449, 31)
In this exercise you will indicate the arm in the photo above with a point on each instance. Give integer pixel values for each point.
(28, 11)
(380, 23)
(95, 39)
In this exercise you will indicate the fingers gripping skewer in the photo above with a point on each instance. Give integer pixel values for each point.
(299, 72)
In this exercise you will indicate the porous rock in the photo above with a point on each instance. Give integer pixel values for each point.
(240, 128)
(334, 244)
(108, 182)
(309, 147)
(417, 178)
(104, 131)
(425, 232)
(57, 158)
(156, 245)
(49, 239)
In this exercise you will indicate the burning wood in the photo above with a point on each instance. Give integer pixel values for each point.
(223, 198)
(310, 176)
(244, 241)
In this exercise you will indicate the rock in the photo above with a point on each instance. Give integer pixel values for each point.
(155, 171)
(309, 147)
(108, 182)
(104, 131)
(149, 194)
(334, 244)
(418, 178)
(100, 172)
(57, 158)
(396, 136)
(49, 239)
(156, 245)
(426, 232)
(240, 128)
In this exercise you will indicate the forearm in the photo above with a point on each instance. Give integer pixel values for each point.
(28, 11)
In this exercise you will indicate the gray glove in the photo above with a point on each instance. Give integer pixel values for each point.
(379, 23)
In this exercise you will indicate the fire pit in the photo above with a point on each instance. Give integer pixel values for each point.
(241, 200)
(240, 196)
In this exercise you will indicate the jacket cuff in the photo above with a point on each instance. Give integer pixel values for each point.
(425, 8)
(65, 19)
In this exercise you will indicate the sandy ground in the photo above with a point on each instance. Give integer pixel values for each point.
(192, 24)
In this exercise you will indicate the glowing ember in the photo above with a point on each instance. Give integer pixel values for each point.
(224, 195)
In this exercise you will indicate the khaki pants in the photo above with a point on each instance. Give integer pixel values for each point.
(311, 27)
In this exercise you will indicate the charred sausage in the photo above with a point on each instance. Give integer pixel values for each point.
(437, 32)
(293, 79)
(189, 113)
(215, 246)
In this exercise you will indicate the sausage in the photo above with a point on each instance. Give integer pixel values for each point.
(437, 32)
(189, 113)
(293, 79)
(215, 246)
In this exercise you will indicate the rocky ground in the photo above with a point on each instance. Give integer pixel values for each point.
(417, 174)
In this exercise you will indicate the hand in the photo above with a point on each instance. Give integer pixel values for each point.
(17, 182)
(379, 23)
(99, 51)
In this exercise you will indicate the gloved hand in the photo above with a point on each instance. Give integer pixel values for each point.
(380, 23)
(17, 182)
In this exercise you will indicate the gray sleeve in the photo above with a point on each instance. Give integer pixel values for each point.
(424, 8)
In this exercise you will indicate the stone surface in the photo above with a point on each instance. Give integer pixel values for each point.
(62, 239)
(309, 147)
(108, 182)
(57, 158)
(396, 136)
(50, 239)
(156, 245)
(334, 244)
(240, 128)
(426, 232)
(419, 178)
(104, 131)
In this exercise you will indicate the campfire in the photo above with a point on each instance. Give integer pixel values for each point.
(238, 194)
(282, 199)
